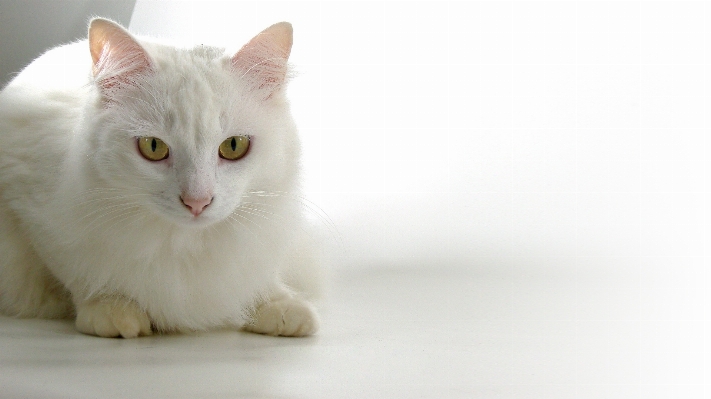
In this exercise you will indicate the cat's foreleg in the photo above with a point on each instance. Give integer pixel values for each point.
(112, 317)
(283, 314)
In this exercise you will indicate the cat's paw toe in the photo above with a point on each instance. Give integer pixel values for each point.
(112, 319)
(286, 317)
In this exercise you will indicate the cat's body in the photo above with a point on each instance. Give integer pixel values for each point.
(92, 226)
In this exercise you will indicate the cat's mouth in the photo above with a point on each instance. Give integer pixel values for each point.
(185, 211)
(196, 221)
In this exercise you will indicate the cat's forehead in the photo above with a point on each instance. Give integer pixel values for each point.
(206, 52)
(193, 98)
(185, 63)
(196, 85)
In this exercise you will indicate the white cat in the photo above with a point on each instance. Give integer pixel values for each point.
(147, 188)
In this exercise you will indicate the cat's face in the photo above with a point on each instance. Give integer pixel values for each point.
(191, 139)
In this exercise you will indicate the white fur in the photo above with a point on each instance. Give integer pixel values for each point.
(84, 216)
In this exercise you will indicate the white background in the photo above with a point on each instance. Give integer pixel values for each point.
(520, 190)
(447, 132)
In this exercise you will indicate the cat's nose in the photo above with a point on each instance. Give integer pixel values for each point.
(196, 205)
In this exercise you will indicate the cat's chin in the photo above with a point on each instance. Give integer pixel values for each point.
(200, 221)
(190, 221)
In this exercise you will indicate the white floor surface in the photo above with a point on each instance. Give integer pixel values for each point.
(519, 328)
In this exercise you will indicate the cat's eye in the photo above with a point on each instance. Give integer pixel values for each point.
(152, 148)
(234, 148)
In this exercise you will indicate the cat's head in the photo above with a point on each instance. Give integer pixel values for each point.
(190, 133)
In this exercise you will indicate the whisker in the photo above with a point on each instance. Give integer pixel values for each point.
(305, 203)
(247, 219)
(233, 220)
(105, 208)
(115, 197)
(118, 218)
(260, 212)
(100, 219)
(251, 211)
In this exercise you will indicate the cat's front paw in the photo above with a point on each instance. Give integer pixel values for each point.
(289, 317)
(112, 318)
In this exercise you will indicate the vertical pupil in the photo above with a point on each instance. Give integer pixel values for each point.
(153, 145)
(233, 143)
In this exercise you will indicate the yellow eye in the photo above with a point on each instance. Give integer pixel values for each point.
(234, 147)
(153, 149)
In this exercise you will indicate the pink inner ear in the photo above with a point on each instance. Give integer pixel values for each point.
(117, 56)
(263, 61)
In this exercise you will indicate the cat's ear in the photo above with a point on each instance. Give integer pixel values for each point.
(117, 57)
(263, 61)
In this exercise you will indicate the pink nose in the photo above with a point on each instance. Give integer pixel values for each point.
(196, 205)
